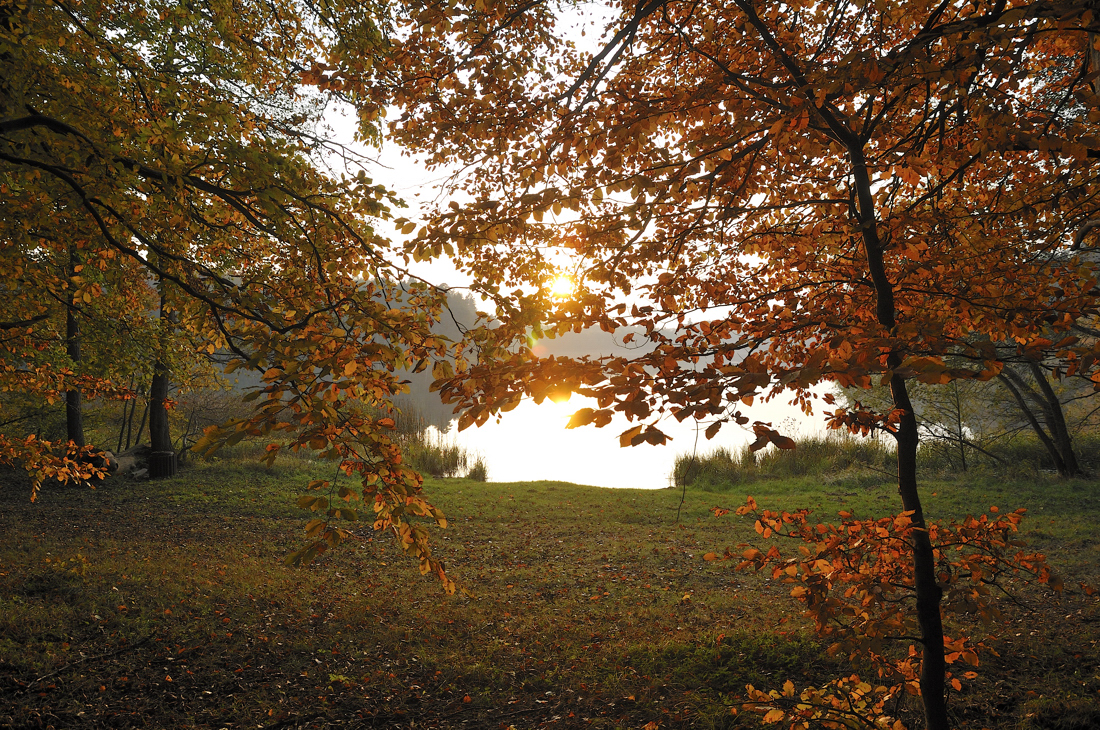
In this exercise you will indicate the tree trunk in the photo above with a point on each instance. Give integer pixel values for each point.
(959, 426)
(130, 404)
(160, 438)
(122, 427)
(929, 593)
(1057, 442)
(159, 435)
(74, 407)
(141, 424)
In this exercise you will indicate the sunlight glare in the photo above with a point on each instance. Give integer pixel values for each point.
(563, 286)
(559, 395)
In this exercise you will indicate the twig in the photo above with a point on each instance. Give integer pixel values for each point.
(78, 662)
(683, 493)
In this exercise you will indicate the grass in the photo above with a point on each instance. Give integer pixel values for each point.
(167, 605)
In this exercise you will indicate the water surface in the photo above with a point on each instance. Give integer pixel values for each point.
(531, 442)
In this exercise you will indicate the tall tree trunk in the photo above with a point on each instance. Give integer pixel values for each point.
(959, 425)
(141, 424)
(929, 593)
(74, 407)
(186, 438)
(126, 404)
(933, 665)
(122, 426)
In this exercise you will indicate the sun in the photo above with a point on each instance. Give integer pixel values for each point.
(558, 396)
(563, 286)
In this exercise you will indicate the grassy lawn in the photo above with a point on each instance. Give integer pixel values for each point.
(166, 605)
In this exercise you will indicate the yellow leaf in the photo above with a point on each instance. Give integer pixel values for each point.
(773, 715)
(581, 418)
(442, 370)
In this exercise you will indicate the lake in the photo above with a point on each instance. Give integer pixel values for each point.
(531, 443)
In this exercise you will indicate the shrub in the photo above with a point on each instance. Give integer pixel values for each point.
(435, 455)
(478, 472)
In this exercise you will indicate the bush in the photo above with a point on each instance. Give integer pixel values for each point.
(479, 472)
(851, 461)
(424, 448)
(429, 451)
(835, 452)
(1017, 451)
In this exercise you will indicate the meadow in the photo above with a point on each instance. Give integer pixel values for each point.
(166, 605)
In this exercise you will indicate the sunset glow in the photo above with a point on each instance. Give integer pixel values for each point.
(559, 396)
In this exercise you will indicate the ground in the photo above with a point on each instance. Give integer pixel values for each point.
(166, 605)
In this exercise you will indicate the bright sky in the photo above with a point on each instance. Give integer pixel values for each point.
(531, 441)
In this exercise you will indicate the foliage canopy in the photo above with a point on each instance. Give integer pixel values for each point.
(177, 151)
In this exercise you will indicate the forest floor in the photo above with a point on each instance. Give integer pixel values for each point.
(167, 605)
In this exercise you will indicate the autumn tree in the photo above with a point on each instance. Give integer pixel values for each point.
(183, 144)
(776, 195)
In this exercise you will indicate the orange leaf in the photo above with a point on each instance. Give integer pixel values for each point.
(773, 715)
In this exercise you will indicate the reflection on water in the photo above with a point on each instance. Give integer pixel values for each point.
(531, 442)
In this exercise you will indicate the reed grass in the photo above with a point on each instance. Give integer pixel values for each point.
(835, 457)
(841, 459)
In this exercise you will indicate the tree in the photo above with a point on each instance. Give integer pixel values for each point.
(160, 436)
(973, 416)
(1041, 405)
(183, 144)
(74, 411)
(855, 580)
(848, 192)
